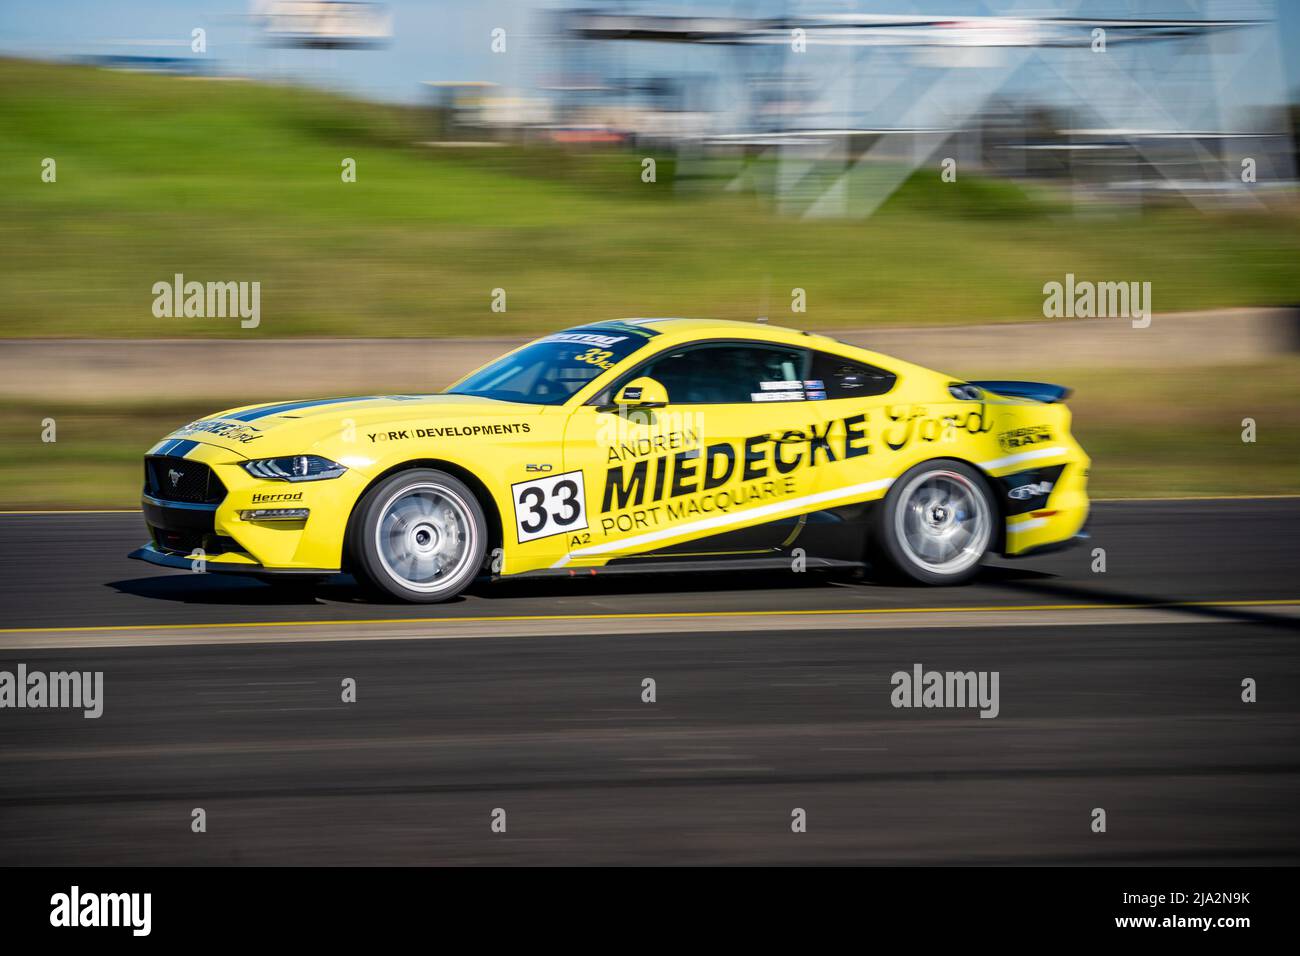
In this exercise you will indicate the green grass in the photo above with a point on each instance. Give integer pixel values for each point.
(1150, 432)
(1178, 431)
(240, 181)
(95, 461)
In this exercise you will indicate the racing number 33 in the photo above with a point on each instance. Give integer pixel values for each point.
(548, 506)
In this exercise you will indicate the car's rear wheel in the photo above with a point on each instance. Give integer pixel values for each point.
(419, 535)
(936, 524)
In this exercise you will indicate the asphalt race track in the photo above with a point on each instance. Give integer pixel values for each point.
(1119, 690)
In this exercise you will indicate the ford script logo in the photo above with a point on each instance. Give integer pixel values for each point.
(175, 476)
(1030, 491)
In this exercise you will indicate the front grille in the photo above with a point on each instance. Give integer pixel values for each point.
(176, 479)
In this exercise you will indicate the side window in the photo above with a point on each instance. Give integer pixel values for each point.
(841, 378)
(729, 373)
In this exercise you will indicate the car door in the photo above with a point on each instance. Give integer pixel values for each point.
(707, 474)
(852, 398)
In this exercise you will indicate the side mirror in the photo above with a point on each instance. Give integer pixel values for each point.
(643, 393)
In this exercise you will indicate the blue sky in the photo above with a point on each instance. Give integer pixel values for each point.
(448, 39)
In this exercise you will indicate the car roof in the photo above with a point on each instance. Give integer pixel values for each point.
(684, 328)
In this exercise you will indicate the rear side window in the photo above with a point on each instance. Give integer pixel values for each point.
(727, 373)
(840, 378)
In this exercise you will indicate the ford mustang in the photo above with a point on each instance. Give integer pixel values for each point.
(642, 444)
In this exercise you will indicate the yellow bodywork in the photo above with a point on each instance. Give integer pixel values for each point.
(649, 478)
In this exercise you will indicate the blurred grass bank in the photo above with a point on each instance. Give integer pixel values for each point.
(238, 181)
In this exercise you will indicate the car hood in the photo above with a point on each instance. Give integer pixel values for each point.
(287, 428)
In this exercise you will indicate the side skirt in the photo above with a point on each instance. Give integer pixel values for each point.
(685, 566)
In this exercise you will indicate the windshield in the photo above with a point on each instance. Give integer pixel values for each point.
(554, 368)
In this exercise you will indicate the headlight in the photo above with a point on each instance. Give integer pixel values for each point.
(294, 468)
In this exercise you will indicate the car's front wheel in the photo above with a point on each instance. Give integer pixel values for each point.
(936, 523)
(419, 535)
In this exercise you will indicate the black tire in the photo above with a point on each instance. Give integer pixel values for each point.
(412, 523)
(920, 522)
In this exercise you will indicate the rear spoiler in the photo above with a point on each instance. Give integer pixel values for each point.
(1037, 391)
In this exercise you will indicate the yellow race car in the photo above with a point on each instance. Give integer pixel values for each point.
(638, 444)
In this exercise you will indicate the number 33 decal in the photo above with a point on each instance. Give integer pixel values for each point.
(549, 506)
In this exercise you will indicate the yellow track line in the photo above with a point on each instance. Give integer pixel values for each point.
(652, 615)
